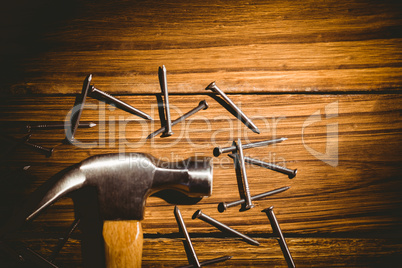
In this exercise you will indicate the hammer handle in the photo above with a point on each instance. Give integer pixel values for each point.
(123, 243)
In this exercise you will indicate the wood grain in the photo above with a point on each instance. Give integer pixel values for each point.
(123, 243)
(280, 46)
(360, 197)
(324, 74)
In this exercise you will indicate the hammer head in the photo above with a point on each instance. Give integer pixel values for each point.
(123, 183)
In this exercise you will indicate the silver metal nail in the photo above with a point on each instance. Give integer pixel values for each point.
(208, 262)
(290, 172)
(223, 206)
(193, 258)
(118, 103)
(164, 88)
(80, 102)
(198, 214)
(277, 231)
(203, 105)
(218, 150)
(246, 189)
(247, 121)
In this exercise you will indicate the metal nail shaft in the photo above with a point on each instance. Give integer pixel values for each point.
(64, 239)
(277, 230)
(122, 105)
(203, 105)
(247, 121)
(208, 262)
(80, 101)
(290, 172)
(164, 88)
(223, 206)
(198, 214)
(218, 150)
(58, 125)
(193, 258)
(246, 189)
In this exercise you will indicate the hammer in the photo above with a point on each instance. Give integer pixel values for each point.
(122, 183)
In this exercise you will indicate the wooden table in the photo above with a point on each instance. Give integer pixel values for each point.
(325, 75)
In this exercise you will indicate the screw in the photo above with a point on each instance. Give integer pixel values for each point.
(247, 121)
(57, 125)
(198, 214)
(277, 230)
(223, 206)
(43, 150)
(79, 102)
(218, 151)
(246, 189)
(208, 262)
(164, 88)
(203, 105)
(122, 105)
(193, 258)
(291, 173)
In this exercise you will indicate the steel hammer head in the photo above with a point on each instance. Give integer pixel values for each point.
(123, 183)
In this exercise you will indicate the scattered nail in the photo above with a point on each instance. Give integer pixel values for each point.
(163, 82)
(118, 103)
(76, 115)
(208, 262)
(247, 121)
(223, 206)
(277, 231)
(193, 258)
(198, 214)
(290, 172)
(246, 189)
(218, 150)
(203, 105)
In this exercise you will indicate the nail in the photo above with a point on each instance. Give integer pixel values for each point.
(277, 230)
(290, 172)
(80, 101)
(198, 214)
(164, 88)
(218, 150)
(64, 239)
(247, 121)
(118, 103)
(208, 262)
(37, 259)
(246, 189)
(193, 258)
(46, 126)
(203, 105)
(40, 149)
(223, 206)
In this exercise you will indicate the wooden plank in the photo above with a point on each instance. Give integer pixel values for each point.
(282, 46)
(362, 190)
(306, 252)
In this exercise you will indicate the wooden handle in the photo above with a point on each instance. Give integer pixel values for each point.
(123, 243)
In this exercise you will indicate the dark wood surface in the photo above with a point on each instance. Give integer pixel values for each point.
(281, 62)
